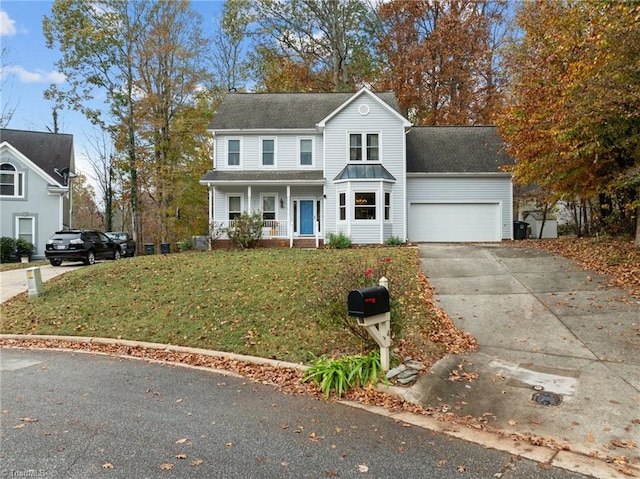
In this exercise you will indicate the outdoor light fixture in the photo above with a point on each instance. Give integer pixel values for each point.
(281, 203)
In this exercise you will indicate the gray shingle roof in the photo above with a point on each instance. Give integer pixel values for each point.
(455, 149)
(261, 176)
(47, 150)
(246, 111)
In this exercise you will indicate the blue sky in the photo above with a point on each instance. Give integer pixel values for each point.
(29, 69)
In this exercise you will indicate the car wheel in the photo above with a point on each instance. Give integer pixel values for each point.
(55, 262)
(116, 254)
(90, 259)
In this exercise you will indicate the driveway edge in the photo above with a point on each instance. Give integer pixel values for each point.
(564, 459)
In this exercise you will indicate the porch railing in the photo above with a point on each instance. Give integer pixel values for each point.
(270, 229)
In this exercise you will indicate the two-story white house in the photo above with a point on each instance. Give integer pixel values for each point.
(319, 163)
(35, 168)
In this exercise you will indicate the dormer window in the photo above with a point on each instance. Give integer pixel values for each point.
(11, 181)
(364, 147)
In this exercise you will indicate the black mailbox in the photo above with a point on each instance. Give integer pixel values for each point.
(366, 302)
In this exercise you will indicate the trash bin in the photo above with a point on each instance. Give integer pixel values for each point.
(164, 248)
(520, 230)
(149, 248)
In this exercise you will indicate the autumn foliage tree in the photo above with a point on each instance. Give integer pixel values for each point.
(440, 58)
(573, 119)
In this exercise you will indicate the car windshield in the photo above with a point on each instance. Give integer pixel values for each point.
(117, 236)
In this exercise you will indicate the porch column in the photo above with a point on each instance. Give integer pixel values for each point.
(249, 199)
(212, 192)
(381, 207)
(289, 220)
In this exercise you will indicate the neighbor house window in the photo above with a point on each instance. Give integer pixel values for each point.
(268, 152)
(233, 152)
(387, 206)
(235, 207)
(269, 207)
(365, 206)
(11, 181)
(342, 206)
(26, 228)
(306, 152)
(364, 146)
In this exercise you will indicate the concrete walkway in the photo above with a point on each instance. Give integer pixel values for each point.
(14, 282)
(548, 332)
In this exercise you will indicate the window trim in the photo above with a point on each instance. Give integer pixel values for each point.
(356, 205)
(18, 181)
(275, 149)
(275, 205)
(342, 208)
(363, 147)
(387, 205)
(32, 233)
(229, 140)
(234, 195)
(299, 155)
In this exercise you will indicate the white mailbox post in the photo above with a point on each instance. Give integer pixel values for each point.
(371, 308)
(34, 281)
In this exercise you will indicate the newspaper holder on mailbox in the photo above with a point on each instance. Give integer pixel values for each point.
(372, 309)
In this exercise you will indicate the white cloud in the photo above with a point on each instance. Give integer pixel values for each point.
(37, 76)
(7, 25)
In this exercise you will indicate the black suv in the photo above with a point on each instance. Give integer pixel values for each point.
(80, 245)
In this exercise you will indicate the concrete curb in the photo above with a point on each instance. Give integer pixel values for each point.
(568, 460)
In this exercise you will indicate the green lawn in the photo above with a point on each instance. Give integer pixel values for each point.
(273, 303)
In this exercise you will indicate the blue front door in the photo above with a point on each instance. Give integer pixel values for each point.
(306, 217)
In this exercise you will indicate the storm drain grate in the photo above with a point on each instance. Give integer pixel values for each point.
(546, 398)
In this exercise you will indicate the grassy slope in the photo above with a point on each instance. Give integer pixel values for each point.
(262, 302)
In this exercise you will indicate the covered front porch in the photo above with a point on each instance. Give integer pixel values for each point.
(291, 205)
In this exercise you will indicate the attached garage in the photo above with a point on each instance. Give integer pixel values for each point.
(455, 222)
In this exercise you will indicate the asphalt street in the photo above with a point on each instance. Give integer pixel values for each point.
(79, 415)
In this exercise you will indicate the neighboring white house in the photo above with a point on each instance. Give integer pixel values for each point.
(35, 168)
(319, 163)
(535, 220)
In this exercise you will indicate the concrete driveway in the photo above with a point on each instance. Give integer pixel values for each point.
(14, 282)
(559, 354)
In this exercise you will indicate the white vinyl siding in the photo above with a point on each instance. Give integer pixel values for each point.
(391, 145)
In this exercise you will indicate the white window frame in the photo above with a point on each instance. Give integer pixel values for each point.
(356, 205)
(344, 207)
(31, 234)
(275, 204)
(18, 181)
(387, 206)
(300, 140)
(364, 146)
(234, 195)
(229, 140)
(275, 149)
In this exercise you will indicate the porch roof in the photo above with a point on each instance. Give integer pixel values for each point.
(282, 177)
(362, 172)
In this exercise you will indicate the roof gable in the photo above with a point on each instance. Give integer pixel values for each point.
(455, 149)
(48, 151)
(269, 111)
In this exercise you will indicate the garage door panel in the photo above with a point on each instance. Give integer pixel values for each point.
(454, 222)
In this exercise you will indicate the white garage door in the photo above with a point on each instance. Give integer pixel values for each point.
(454, 222)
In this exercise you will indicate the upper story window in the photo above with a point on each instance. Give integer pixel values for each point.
(233, 152)
(364, 146)
(11, 181)
(268, 152)
(306, 152)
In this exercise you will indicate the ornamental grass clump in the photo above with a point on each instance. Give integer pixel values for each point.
(345, 372)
